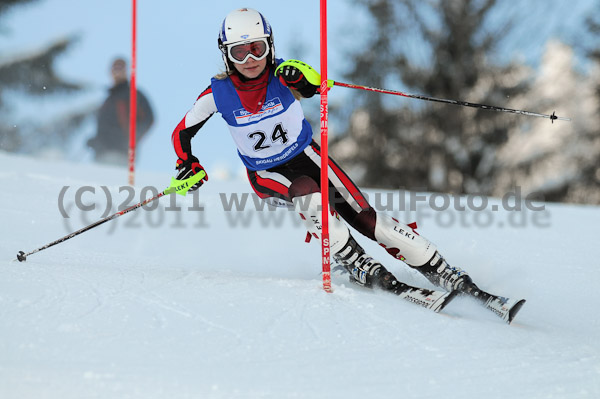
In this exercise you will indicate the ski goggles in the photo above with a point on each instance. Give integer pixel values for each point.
(257, 49)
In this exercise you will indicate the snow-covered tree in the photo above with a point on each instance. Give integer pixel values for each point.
(33, 73)
(560, 161)
(593, 25)
(425, 145)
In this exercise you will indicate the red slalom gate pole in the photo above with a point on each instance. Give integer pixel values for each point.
(325, 249)
(132, 96)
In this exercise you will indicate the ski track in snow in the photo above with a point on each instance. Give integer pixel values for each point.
(199, 312)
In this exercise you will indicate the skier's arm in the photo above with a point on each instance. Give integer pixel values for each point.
(203, 109)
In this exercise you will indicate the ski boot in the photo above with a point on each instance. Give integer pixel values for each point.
(367, 272)
(441, 274)
(364, 270)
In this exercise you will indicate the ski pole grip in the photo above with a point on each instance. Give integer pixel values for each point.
(181, 187)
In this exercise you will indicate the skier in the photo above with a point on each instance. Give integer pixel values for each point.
(258, 97)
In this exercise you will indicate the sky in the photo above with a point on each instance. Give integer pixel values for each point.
(177, 55)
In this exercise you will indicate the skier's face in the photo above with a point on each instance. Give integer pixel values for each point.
(251, 68)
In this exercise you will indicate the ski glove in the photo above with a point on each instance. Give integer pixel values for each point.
(189, 168)
(294, 78)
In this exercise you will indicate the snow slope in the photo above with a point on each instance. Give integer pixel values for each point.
(224, 304)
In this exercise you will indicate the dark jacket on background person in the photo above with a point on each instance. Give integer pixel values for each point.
(112, 134)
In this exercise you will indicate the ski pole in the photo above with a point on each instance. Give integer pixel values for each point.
(552, 117)
(177, 186)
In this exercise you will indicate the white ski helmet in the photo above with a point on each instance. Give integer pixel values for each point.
(244, 26)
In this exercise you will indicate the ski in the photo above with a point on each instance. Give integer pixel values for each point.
(429, 299)
(505, 308)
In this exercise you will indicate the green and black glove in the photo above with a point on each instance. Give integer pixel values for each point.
(299, 76)
(189, 168)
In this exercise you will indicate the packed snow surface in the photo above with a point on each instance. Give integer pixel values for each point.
(178, 302)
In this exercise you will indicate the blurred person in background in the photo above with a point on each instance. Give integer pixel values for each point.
(111, 142)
